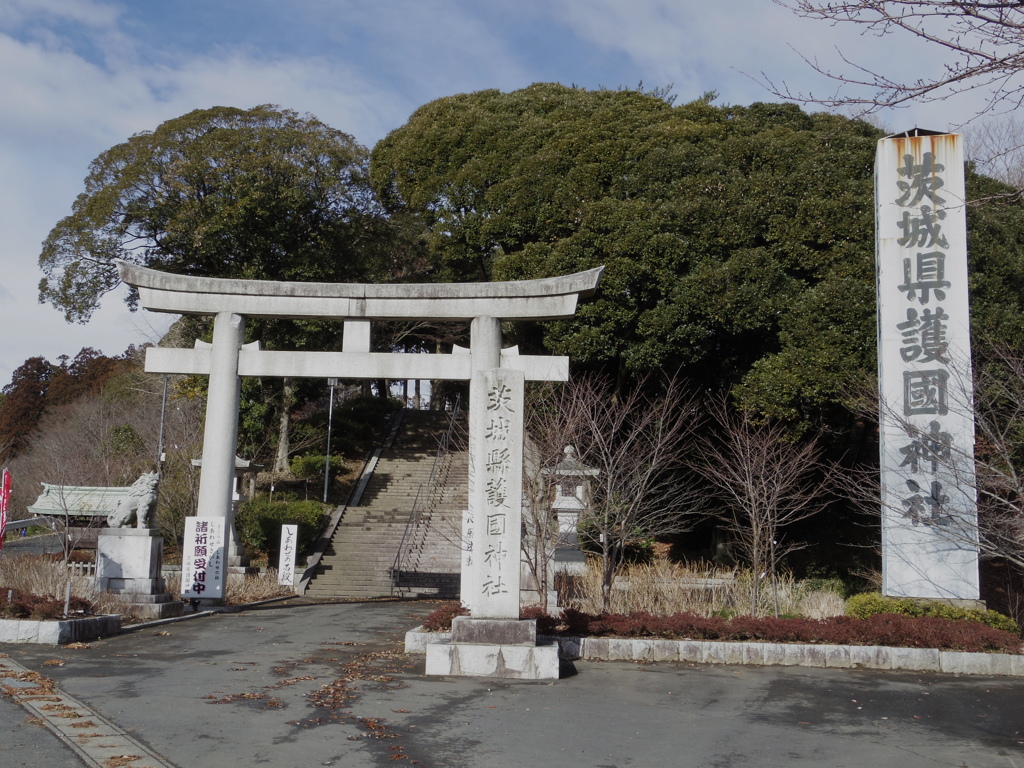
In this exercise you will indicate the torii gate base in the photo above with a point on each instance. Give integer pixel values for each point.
(494, 641)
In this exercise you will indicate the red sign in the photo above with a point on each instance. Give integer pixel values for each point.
(5, 497)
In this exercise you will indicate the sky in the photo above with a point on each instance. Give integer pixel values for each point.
(80, 76)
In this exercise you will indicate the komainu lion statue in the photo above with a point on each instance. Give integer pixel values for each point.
(136, 506)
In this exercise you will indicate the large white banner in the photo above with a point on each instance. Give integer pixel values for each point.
(929, 510)
(202, 558)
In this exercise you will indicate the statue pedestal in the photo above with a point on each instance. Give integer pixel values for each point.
(129, 561)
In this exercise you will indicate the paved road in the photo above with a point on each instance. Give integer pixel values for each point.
(302, 684)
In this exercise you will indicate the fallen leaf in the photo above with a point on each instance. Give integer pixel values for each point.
(121, 760)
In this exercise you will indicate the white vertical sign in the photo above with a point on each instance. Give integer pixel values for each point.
(493, 523)
(202, 558)
(926, 412)
(286, 568)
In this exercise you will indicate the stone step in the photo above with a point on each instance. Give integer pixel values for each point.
(358, 561)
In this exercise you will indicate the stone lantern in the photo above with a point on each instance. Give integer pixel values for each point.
(572, 495)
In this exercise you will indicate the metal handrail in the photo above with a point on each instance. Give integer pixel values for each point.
(443, 449)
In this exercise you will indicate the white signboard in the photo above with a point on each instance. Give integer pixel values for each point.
(203, 559)
(286, 568)
(929, 515)
(492, 525)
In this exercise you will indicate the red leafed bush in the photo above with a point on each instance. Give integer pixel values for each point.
(25, 605)
(881, 629)
(441, 619)
(546, 625)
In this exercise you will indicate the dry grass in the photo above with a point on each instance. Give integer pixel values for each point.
(45, 576)
(663, 588)
(42, 575)
(249, 588)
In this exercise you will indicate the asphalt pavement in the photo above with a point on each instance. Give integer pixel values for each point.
(297, 684)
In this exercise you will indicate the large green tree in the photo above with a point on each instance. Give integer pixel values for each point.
(738, 241)
(262, 193)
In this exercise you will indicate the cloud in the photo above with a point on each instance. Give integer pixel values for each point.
(83, 75)
(734, 47)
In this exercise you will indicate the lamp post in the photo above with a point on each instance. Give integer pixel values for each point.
(330, 419)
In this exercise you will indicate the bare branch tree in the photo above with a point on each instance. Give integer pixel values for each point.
(638, 445)
(765, 482)
(983, 44)
(548, 434)
(996, 147)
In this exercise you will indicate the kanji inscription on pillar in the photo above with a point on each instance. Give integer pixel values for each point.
(493, 537)
(926, 416)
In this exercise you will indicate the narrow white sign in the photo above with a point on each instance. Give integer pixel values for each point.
(286, 568)
(202, 558)
(926, 412)
(492, 525)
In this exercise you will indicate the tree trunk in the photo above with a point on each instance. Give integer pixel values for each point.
(284, 425)
(608, 561)
(775, 580)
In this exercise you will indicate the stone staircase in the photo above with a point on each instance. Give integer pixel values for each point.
(358, 561)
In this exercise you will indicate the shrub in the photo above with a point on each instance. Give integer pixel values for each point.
(880, 629)
(870, 604)
(546, 625)
(441, 619)
(259, 522)
(311, 465)
(26, 605)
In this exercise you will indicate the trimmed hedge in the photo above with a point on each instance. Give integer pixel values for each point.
(879, 629)
(259, 522)
(871, 604)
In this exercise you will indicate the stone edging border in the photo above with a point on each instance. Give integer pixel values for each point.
(61, 632)
(104, 745)
(58, 632)
(766, 654)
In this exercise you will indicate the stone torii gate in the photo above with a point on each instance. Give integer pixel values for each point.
(491, 535)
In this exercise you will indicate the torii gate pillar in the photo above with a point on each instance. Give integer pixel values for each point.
(220, 436)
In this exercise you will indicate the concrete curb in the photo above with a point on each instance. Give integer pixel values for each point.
(766, 654)
(96, 740)
(209, 612)
(58, 631)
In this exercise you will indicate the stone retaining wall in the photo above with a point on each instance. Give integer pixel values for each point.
(767, 654)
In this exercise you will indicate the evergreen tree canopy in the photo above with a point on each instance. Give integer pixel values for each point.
(739, 241)
(262, 193)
